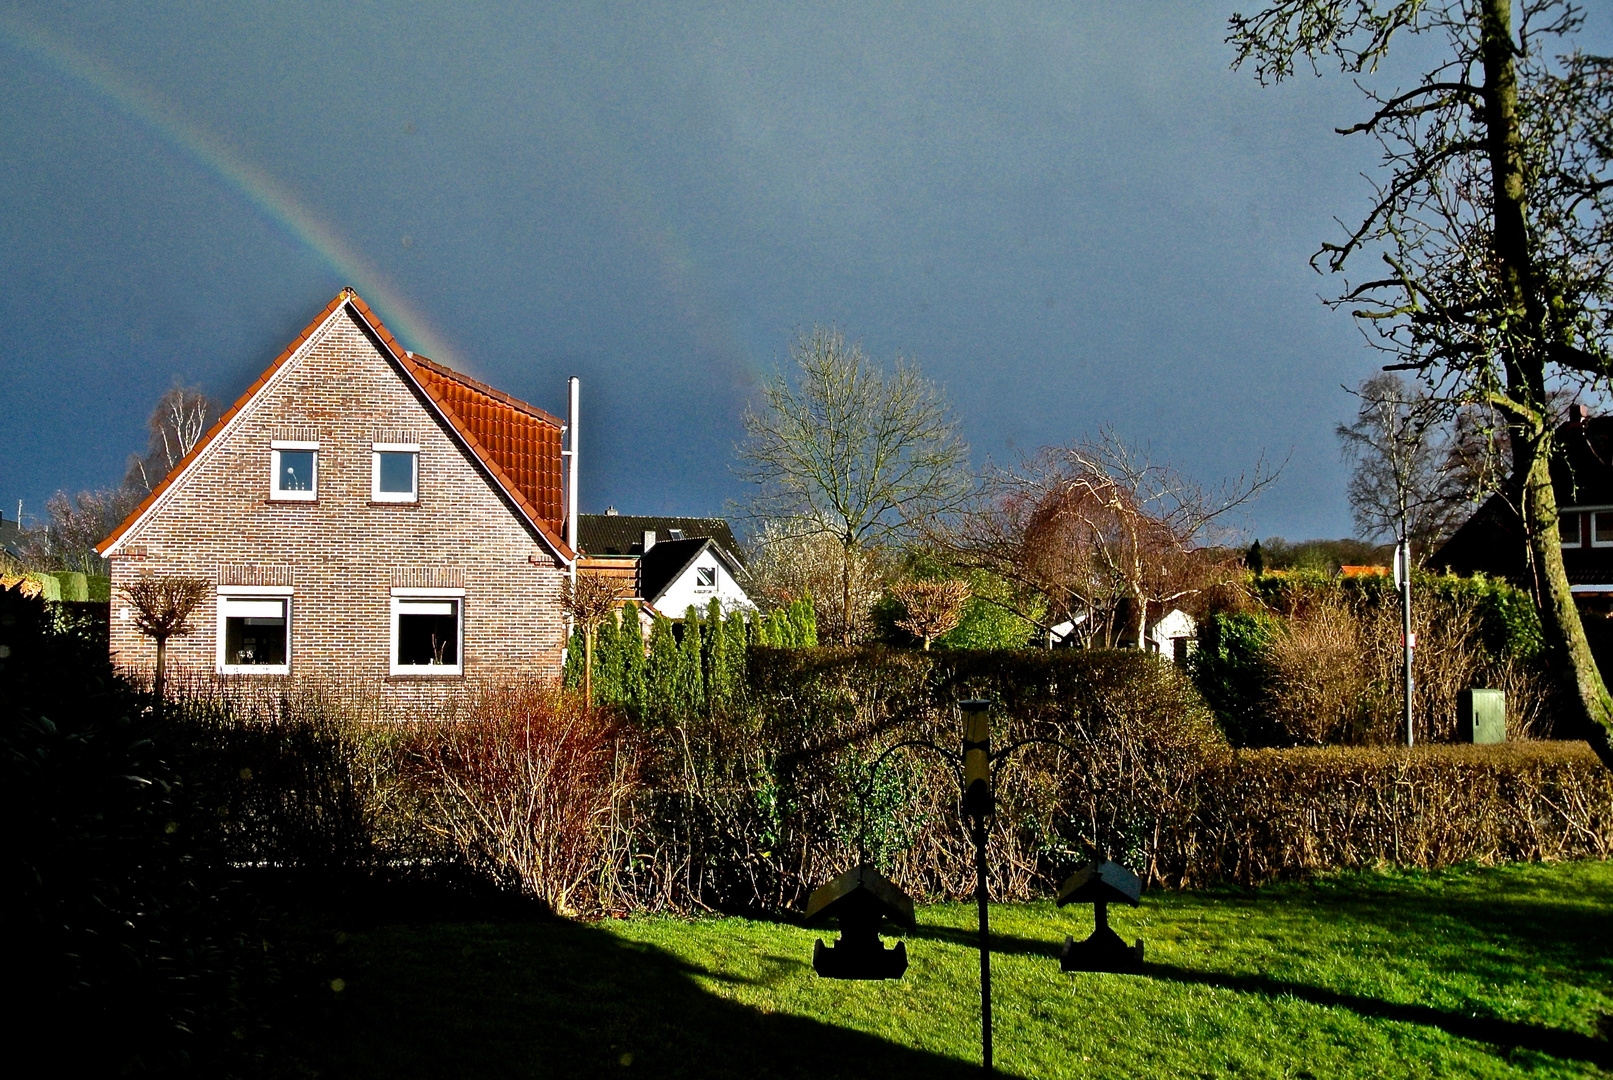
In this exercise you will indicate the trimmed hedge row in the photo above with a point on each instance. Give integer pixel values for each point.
(1269, 814)
(750, 812)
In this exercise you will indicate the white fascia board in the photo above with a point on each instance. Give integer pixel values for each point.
(212, 447)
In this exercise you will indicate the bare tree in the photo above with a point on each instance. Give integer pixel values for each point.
(589, 600)
(1409, 479)
(1491, 225)
(177, 423)
(851, 452)
(162, 609)
(75, 525)
(788, 561)
(1104, 535)
(933, 607)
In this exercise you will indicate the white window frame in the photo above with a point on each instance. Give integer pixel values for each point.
(376, 494)
(1594, 541)
(275, 493)
(701, 571)
(456, 595)
(251, 592)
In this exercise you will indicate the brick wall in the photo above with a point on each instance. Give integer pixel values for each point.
(342, 554)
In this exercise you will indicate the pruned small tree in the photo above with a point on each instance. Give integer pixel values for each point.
(162, 607)
(852, 452)
(589, 600)
(934, 608)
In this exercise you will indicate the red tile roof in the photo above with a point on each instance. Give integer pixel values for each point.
(516, 443)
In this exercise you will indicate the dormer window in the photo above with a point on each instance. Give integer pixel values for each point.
(294, 475)
(676, 534)
(395, 472)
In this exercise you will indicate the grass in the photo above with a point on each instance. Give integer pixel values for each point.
(1475, 972)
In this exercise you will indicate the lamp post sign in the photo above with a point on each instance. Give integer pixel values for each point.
(862, 898)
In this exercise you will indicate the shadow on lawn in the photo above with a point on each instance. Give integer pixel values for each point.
(1504, 1033)
(528, 995)
(1574, 937)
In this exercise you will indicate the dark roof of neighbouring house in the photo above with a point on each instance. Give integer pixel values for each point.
(623, 534)
(668, 559)
(517, 444)
(10, 538)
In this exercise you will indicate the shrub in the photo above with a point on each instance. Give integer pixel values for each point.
(299, 779)
(748, 812)
(1268, 814)
(133, 944)
(524, 782)
(1320, 662)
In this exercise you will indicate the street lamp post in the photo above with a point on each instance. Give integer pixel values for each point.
(979, 806)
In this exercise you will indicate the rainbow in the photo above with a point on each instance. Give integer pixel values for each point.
(270, 197)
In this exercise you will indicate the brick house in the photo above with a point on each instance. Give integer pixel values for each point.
(365, 516)
(1492, 541)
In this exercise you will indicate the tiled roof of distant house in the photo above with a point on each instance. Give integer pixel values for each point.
(623, 534)
(514, 442)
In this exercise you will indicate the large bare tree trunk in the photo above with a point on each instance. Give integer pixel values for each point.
(1525, 361)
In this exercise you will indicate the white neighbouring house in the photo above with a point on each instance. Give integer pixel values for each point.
(1174, 636)
(677, 573)
(668, 563)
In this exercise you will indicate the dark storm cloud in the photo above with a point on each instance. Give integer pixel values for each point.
(1071, 215)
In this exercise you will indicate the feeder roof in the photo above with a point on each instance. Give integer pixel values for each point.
(1102, 881)
(860, 890)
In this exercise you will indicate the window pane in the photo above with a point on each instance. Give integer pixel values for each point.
(1603, 528)
(255, 632)
(296, 471)
(428, 632)
(705, 575)
(1568, 527)
(396, 473)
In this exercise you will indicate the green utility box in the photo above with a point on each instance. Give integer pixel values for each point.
(1481, 716)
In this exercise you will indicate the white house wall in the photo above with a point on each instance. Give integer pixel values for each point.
(684, 591)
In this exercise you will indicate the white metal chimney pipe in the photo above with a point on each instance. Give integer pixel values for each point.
(571, 467)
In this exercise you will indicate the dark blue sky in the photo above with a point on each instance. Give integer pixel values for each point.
(1070, 215)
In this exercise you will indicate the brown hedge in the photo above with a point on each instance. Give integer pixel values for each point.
(1267, 814)
(750, 811)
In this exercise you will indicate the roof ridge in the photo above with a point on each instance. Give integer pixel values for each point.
(482, 388)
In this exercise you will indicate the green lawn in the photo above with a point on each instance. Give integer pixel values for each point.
(1483, 972)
